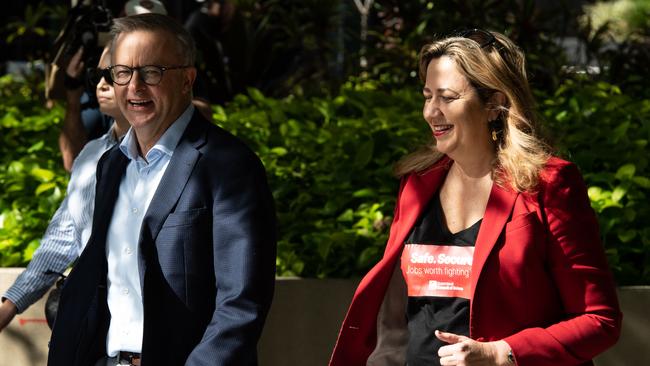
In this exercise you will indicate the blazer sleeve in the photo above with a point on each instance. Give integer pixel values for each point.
(244, 251)
(577, 263)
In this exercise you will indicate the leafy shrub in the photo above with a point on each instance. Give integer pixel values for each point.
(32, 179)
(606, 134)
(329, 163)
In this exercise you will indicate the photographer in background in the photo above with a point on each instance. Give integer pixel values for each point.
(77, 51)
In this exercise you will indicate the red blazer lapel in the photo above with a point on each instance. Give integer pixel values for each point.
(417, 191)
(497, 212)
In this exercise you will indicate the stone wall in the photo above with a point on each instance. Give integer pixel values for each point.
(303, 324)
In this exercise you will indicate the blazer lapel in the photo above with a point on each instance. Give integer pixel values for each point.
(417, 192)
(171, 186)
(111, 171)
(497, 212)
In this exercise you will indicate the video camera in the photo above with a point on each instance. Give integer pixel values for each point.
(88, 25)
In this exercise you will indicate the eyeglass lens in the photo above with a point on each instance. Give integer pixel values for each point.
(149, 74)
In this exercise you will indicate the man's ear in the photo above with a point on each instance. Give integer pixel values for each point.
(497, 101)
(188, 81)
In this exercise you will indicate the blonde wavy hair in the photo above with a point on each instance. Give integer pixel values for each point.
(495, 65)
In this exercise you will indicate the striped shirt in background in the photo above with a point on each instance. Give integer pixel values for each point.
(68, 231)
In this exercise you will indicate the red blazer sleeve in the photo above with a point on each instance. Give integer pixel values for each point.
(577, 263)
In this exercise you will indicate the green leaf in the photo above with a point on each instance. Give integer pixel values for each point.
(364, 153)
(620, 131)
(618, 194)
(642, 181)
(280, 151)
(627, 235)
(368, 257)
(595, 193)
(346, 216)
(36, 147)
(28, 253)
(365, 192)
(324, 247)
(44, 187)
(256, 95)
(43, 175)
(625, 172)
(297, 267)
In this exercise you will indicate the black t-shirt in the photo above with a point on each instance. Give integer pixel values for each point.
(436, 265)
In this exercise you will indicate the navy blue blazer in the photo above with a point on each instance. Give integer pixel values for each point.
(206, 259)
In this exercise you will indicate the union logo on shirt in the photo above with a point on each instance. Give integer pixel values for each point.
(437, 270)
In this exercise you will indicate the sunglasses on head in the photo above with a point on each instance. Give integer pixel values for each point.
(480, 36)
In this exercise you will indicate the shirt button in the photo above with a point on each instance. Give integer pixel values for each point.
(127, 250)
(125, 291)
(134, 210)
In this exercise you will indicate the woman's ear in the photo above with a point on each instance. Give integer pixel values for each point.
(496, 103)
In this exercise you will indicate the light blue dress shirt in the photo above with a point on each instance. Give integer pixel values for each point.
(136, 191)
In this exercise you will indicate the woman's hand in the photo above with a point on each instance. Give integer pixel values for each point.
(76, 65)
(465, 351)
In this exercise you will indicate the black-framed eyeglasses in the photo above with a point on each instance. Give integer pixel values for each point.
(480, 36)
(149, 74)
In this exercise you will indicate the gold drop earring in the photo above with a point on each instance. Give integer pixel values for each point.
(493, 129)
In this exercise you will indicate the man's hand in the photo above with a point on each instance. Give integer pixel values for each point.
(7, 312)
(465, 351)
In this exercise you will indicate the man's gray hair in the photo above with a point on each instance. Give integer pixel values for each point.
(157, 23)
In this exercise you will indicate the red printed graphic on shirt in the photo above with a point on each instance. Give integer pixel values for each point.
(437, 270)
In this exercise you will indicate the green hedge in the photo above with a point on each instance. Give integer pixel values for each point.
(606, 134)
(32, 179)
(329, 163)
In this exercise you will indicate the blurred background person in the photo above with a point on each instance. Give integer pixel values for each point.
(216, 27)
(69, 228)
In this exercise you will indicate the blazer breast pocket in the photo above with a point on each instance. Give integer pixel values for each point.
(184, 250)
(522, 253)
(521, 221)
(184, 218)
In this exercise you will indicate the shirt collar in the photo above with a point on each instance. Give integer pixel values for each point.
(165, 144)
(109, 136)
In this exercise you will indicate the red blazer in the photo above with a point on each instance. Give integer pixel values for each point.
(540, 279)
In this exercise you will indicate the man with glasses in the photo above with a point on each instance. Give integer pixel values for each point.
(180, 266)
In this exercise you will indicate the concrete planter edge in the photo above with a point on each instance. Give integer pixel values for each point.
(302, 326)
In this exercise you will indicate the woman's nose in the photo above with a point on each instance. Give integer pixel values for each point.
(103, 85)
(431, 110)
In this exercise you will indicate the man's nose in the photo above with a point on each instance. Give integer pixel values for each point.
(136, 81)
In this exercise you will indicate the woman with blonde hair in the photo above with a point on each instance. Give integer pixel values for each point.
(494, 256)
